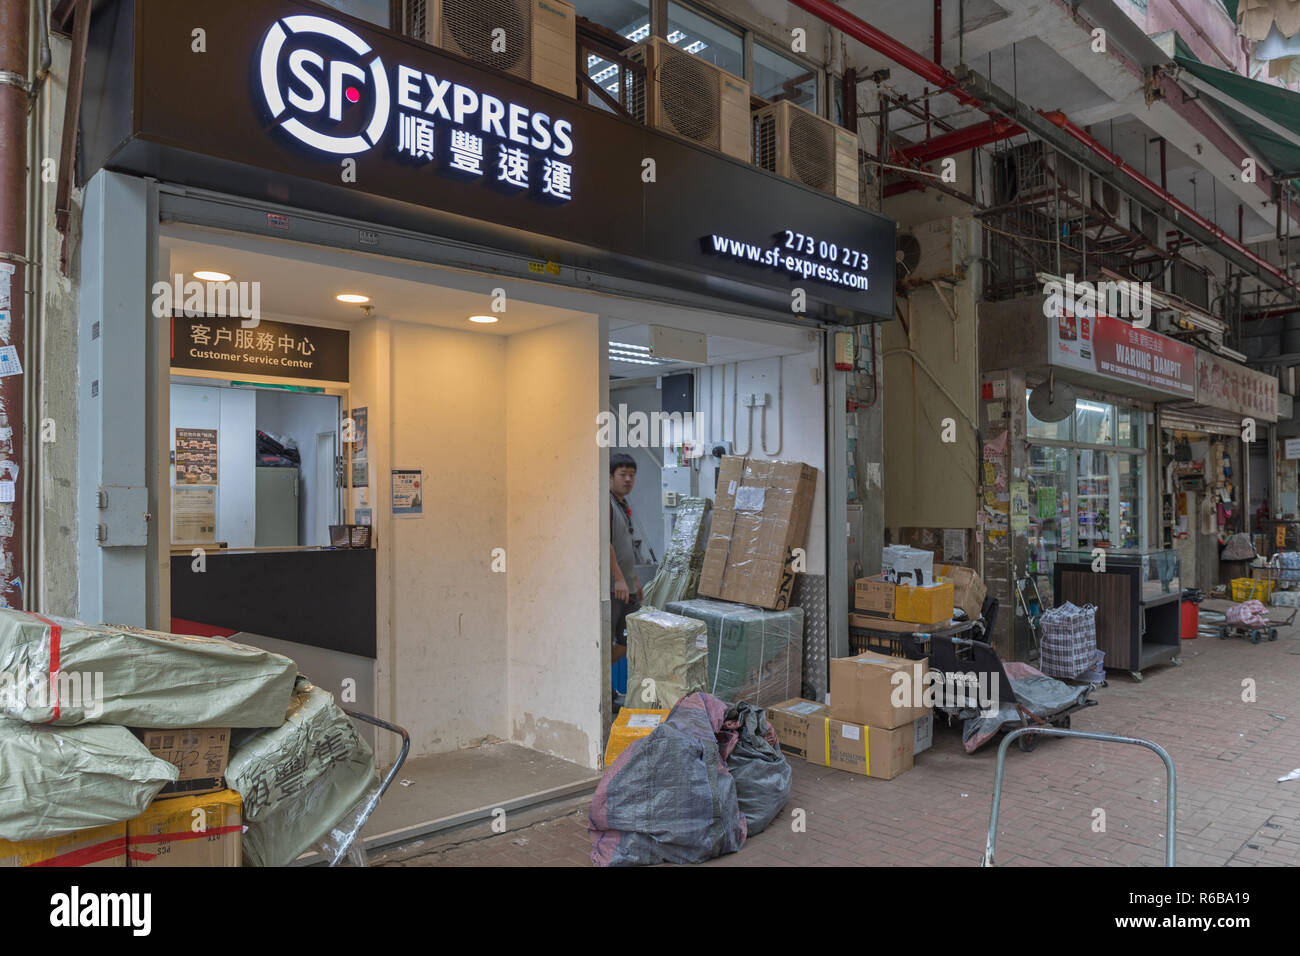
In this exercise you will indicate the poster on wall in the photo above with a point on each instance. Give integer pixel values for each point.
(194, 514)
(408, 494)
(360, 434)
(1292, 448)
(196, 456)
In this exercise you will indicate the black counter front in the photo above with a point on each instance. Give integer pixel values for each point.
(319, 597)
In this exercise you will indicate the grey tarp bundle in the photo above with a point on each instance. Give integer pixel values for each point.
(669, 797)
(136, 678)
(678, 576)
(754, 655)
(299, 779)
(753, 755)
(1043, 696)
(54, 780)
(665, 658)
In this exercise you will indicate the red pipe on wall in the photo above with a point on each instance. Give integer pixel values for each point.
(934, 73)
(960, 140)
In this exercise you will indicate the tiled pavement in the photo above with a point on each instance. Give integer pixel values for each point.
(1232, 811)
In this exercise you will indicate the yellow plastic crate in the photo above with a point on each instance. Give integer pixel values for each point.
(1244, 589)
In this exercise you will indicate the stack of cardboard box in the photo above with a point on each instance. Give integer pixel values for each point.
(867, 728)
(884, 605)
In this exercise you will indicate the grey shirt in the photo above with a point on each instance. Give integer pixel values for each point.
(620, 536)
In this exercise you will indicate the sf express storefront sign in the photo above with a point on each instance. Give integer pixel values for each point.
(327, 88)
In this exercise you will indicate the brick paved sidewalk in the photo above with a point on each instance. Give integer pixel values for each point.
(1228, 754)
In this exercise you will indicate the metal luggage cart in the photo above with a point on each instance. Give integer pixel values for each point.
(347, 846)
(958, 655)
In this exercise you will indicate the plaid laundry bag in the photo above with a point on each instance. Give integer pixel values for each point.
(1069, 641)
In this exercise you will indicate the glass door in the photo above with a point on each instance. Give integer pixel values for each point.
(1094, 489)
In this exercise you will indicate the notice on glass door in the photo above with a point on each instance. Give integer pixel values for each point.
(408, 492)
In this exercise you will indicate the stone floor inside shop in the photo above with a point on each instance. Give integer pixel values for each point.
(1228, 753)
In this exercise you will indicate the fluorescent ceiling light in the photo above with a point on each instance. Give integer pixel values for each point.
(209, 276)
(626, 345)
(352, 298)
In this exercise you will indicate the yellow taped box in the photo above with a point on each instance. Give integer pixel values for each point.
(857, 748)
(932, 605)
(631, 725)
(97, 846)
(189, 830)
(791, 720)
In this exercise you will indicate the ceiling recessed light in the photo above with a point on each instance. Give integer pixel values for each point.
(483, 319)
(352, 298)
(209, 276)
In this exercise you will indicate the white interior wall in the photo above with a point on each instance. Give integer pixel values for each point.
(300, 417)
(795, 424)
(231, 412)
(557, 502)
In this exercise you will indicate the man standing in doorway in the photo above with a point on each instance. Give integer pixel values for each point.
(625, 588)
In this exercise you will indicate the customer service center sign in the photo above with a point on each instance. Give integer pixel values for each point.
(310, 109)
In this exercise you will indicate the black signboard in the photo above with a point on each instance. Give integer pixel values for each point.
(224, 344)
(307, 107)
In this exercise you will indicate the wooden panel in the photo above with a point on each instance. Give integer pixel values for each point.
(1112, 595)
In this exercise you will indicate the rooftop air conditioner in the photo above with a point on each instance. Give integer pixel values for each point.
(797, 144)
(540, 36)
(694, 99)
(1038, 172)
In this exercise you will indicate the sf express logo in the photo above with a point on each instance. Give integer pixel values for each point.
(324, 85)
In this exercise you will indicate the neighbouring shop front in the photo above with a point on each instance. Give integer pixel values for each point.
(457, 390)
(1070, 463)
(1206, 488)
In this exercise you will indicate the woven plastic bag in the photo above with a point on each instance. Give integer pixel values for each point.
(1250, 613)
(62, 672)
(299, 780)
(1069, 646)
(753, 754)
(54, 780)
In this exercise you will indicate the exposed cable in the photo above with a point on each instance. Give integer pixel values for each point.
(780, 417)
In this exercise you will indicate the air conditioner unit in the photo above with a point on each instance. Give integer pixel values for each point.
(694, 99)
(540, 36)
(1111, 201)
(932, 251)
(1038, 173)
(797, 144)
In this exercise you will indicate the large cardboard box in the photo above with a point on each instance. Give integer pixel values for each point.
(667, 658)
(791, 720)
(932, 605)
(631, 725)
(874, 595)
(199, 754)
(969, 590)
(755, 656)
(859, 748)
(874, 623)
(97, 846)
(760, 515)
(189, 830)
(862, 689)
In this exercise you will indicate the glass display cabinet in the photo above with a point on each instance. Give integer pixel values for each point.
(1137, 596)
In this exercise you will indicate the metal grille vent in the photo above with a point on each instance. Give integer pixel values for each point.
(812, 151)
(467, 27)
(765, 141)
(415, 21)
(688, 96)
